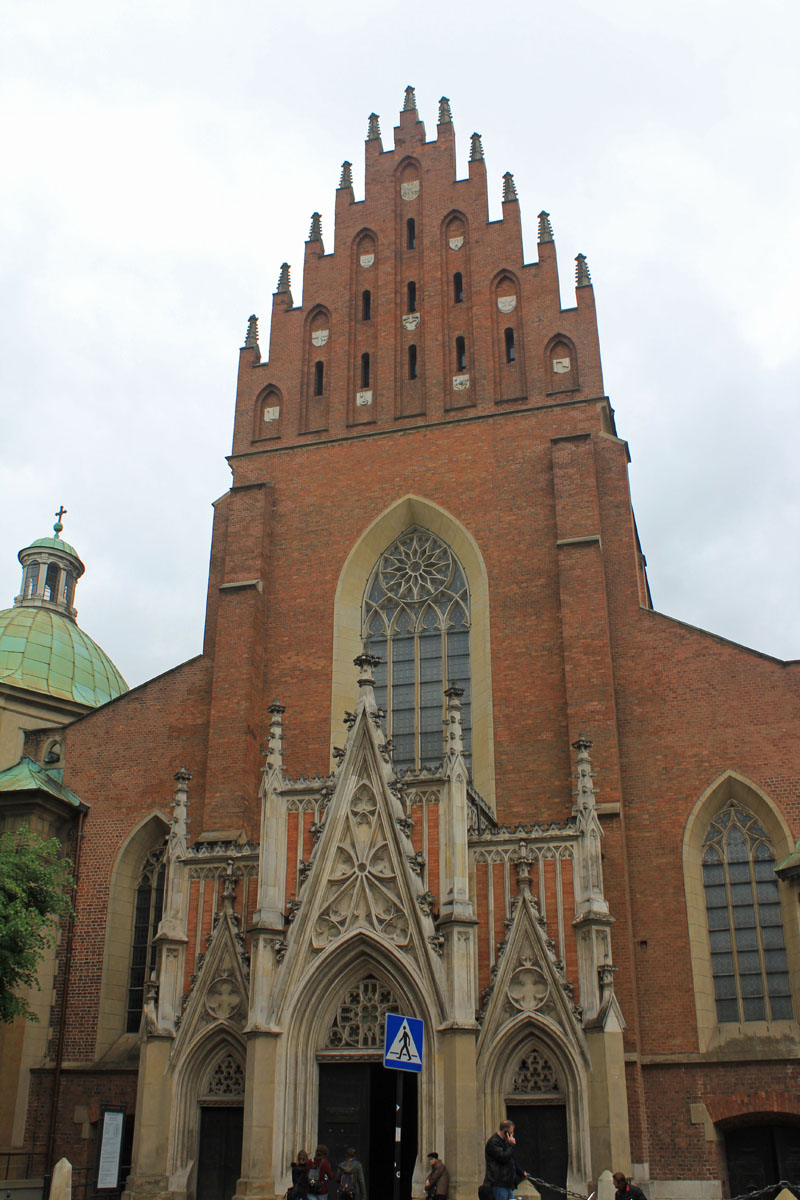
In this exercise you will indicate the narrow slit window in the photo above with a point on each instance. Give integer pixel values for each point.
(319, 378)
(458, 288)
(365, 370)
(412, 362)
(461, 354)
(511, 353)
(412, 296)
(411, 233)
(366, 306)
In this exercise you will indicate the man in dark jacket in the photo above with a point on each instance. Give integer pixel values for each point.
(626, 1190)
(502, 1172)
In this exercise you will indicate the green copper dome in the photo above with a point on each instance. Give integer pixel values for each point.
(45, 651)
(55, 543)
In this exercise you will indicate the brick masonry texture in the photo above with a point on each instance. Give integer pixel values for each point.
(538, 477)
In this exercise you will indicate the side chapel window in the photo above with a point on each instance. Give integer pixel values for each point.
(416, 620)
(748, 954)
(147, 915)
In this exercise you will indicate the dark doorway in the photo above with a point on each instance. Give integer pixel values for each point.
(759, 1155)
(220, 1158)
(356, 1108)
(542, 1150)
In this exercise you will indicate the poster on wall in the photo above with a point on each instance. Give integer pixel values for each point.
(112, 1122)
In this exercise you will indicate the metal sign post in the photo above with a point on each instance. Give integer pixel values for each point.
(402, 1051)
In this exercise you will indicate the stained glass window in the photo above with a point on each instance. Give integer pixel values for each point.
(416, 620)
(148, 907)
(745, 928)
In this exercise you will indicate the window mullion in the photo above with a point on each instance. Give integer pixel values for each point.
(417, 698)
(737, 979)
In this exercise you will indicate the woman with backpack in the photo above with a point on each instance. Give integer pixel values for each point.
(350, 1177)
(320, 1172)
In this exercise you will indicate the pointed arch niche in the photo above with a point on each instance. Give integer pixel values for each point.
(502, 1064)
(358, 566)
(146, 837)
(746, 795)
(211, 1071)
(353, 983)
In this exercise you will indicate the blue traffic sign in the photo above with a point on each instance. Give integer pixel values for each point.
(402, 1049)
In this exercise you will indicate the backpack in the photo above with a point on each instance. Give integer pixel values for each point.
(314, 1181)
(346, 1189)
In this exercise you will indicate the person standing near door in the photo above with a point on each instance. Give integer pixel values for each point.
(350, 1177)
(502, 1170)
(320, 1172)
(625, 1189)
(438, 1181)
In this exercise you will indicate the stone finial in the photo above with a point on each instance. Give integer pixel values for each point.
(454, 735)
(366, 664)
(275, 745)
(509, 188)
(524, 871)
(605, 973)
(228, 888)
(177, 831)
(283, 278)
(545, 228)
(476, 148)
(445, 115)
(373, 127)
(346, 177)
(315, 233)
(582, 276)
(585, 791)
(410, 100)
(252, 332)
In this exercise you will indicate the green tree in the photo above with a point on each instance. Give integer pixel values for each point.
(35, 890)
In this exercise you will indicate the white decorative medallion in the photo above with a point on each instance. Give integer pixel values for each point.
(528, 987)
(411, 320)
(410, 191)
(223, 999)
(364, 398)
(456, 243)
(460, 383)
(320, 337)
(367, 260)
(506, 304)
(560, 365)
(272, 414)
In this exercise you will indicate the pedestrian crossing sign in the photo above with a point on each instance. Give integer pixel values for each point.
(403, 1045)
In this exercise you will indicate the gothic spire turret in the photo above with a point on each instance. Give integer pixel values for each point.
(410, 100)
(545, 228)
(509, 188)
(373, 127)
(445, 115)
(251, 339)
(315, 233)
(582, 276)
(476, 148)
(283, 279)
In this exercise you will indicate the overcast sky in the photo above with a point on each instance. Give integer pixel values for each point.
(161, 158)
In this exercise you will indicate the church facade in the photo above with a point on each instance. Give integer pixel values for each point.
(439, 756)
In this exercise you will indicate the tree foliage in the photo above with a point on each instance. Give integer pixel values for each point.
(35, 890)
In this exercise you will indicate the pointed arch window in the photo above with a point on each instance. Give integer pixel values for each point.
(416, 619)
(745, 927)
(146, 918)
